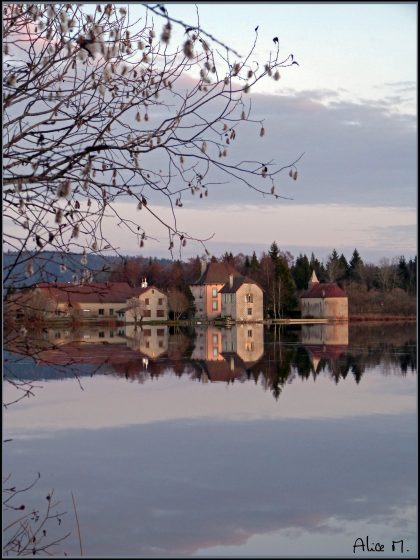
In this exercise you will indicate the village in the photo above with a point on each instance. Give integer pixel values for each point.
(221, 294)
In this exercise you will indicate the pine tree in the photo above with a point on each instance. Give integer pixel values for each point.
(274, 251)
(356, 265)
(301, 272)
(255, 265)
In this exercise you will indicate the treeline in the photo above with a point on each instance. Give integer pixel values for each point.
(386, 288)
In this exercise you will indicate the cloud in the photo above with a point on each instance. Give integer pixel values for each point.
(179, 486)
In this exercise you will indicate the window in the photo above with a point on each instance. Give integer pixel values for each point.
(57, 335)
(121, 332)
(160, 343)
(160, 332)
(147, 332)
(147, 313)
(250, 333)
(101, 311)
(111, 334)
(160, 313)
(160, 301)
(147, 344)
(249, 298)
(214, 292)
(147, 301)
(215, 352)
(111, 312)
(101, 334)
(231, 298)
(215, 339)
(249, 310)
(214, 306)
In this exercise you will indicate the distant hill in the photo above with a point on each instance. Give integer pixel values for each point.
(48, 267)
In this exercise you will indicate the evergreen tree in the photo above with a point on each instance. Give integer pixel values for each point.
(403, 274)
(274, 251)
(319, 268)
(301, 272)
(285, 287)
(356, 265)
(255, 265)
(344, 266)
(333, 266)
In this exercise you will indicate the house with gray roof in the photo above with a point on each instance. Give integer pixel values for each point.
(242, 300)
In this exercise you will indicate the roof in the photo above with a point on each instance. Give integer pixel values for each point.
(217, 273)
(238, 281)
(324, 290)
(107, 292)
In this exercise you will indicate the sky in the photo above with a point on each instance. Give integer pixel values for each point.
(348, 110)
(350, 107)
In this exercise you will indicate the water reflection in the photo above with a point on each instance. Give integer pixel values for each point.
(272, 357)
(185, 467)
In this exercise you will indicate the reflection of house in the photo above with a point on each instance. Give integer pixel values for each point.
(151, 341)
(208, 301)
(208, 344)
(227, 354)
(105, 347)
(328, 340)
(247, 341)
(324, 301)
(242, 299)
(110, 300)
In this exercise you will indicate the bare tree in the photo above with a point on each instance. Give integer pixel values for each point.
(28, 531)
(101, 107)
(387, 274)
(178, 303)
(135, 307)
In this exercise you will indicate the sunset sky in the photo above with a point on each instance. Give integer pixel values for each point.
(348, 110)
(350, 106)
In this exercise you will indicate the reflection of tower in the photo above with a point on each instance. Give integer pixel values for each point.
(326, 340)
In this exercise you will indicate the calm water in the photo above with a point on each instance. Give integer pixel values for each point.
(239, 442)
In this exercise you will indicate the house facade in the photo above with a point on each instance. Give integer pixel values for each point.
(206, 291)
(96, 301)
(242, 300)
(324, 301)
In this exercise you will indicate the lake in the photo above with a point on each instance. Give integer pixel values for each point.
(248, 441)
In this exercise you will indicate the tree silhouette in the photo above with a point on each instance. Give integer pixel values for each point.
(103, 113)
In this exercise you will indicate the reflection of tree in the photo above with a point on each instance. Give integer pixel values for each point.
(393, 348)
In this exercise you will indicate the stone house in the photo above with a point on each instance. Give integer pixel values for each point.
(324, 301)
(97, 301)
(242, 300)
(206, 291)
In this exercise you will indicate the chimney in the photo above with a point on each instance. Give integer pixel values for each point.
(231, 281)
(143, 283)
(203, 266)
